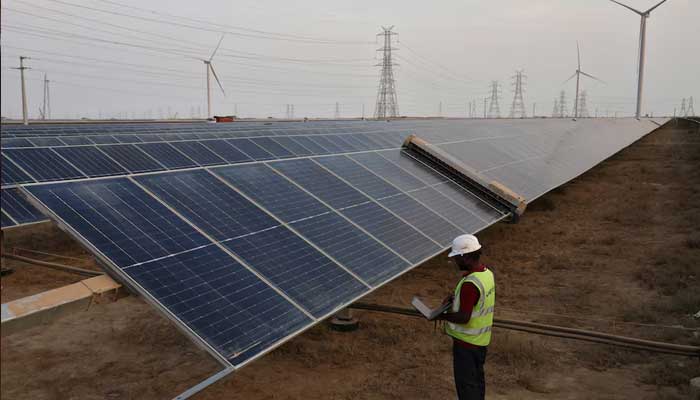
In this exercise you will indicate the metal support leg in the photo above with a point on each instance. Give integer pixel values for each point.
(343, 321)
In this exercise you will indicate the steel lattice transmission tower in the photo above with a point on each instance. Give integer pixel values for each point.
(563, 111)
(517, 109)
(691, 110)
(683, 112)
(494, 108)
(582, 106)
(387, 104)
(555, 110)
(336, 113)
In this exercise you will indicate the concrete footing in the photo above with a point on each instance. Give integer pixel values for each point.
(343, 321)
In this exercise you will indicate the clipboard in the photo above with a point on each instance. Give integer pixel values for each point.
(426, 311)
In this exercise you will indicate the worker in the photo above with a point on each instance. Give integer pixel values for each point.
(471, 317)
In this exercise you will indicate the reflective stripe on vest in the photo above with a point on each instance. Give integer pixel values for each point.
(478, 330)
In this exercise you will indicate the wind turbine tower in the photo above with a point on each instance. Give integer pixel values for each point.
(578, 74)
(210, 71)
(387, 103)
(642, 49)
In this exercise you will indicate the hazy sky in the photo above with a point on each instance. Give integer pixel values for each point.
(140, 58)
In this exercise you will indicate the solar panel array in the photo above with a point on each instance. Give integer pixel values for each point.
(244, 248)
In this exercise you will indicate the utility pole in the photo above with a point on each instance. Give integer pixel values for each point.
(387, 103)
(440, 109)
(517, 108)
(46, 106)
(21, 68)
(486, 100)
(494, 109)
(533, 109)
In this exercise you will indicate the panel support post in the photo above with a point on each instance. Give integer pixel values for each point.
(343, 321)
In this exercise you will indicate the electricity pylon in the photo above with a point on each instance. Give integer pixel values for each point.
(387, 103)
(690, 110)
(517, 109)
(337, 110)
(555, 109)
(494, 109)
(563, 111)
(582, 106)
(684, 112)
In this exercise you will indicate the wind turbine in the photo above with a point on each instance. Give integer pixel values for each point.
(642, 50)
(578, 74)
(210, 68)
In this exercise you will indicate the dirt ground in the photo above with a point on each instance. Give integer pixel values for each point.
(616, 250)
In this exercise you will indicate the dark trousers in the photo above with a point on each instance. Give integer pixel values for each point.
(468, 367)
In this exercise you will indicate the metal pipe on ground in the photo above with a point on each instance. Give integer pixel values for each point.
(56, 266)
(559, 331)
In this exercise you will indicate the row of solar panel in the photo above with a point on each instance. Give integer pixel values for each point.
(74, 140)
(307, 128)
(246, 255)
(16, 210)
(26, 165)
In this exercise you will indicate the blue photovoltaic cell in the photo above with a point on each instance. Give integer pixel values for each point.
(90, 161)
(326, 143)
(320, 182)
(125, 223)
(223, 302)
(167, 155)
(133, 159)
(226, 150)
(209, 203)
(346, 145)
(358, 143)
(293, 146)
(413, 166)
(298, 269)
(251, 149)
(388, 170)
(76, 140)
(103, 139)
(370, 140)
(395, 233)
(353, 248)
(6, 221)
(43, 164)
(148, 138)
(314, 147)
(200, 154)
(8, 143)
(11, 174)
(358, 176)
(46, 141)
(426, 221)
(16, 206)
(124, 138)
(465, 218)
(272, 191)
(273, 147)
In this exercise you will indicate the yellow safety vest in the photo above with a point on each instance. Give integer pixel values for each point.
(478, 330)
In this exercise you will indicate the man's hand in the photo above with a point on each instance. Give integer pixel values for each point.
(448, 299)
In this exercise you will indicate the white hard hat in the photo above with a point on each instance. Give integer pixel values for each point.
(464, 244)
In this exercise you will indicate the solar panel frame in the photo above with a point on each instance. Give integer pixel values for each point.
(12, 174)
(19, 209)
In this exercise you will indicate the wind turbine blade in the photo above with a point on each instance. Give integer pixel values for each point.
(570, 78)
(217, 79)
(592, 77)
(578, 53)
(217, 47)
(628, 7)
(653, 8)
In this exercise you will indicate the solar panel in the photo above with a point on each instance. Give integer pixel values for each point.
(298, 269)
(91, 161)
(272, 191)
(9, 143)
(122, 138)
(422, 218)
(11, 174)
(197, 152)
(167, 155)
(292, 145)
(205, 200)
(464, 214)
(46, 141)
(43, 164)
(19, 208)
(76, 140)
(320, 182)
(353, 248)
(272, 147)
(226, 151)
(413, 166)
(251, 149)
(313, 147)
(103, 139)
(326, 144)
(398, 235)
(358, 176)
(387, 170)
(131, 158)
